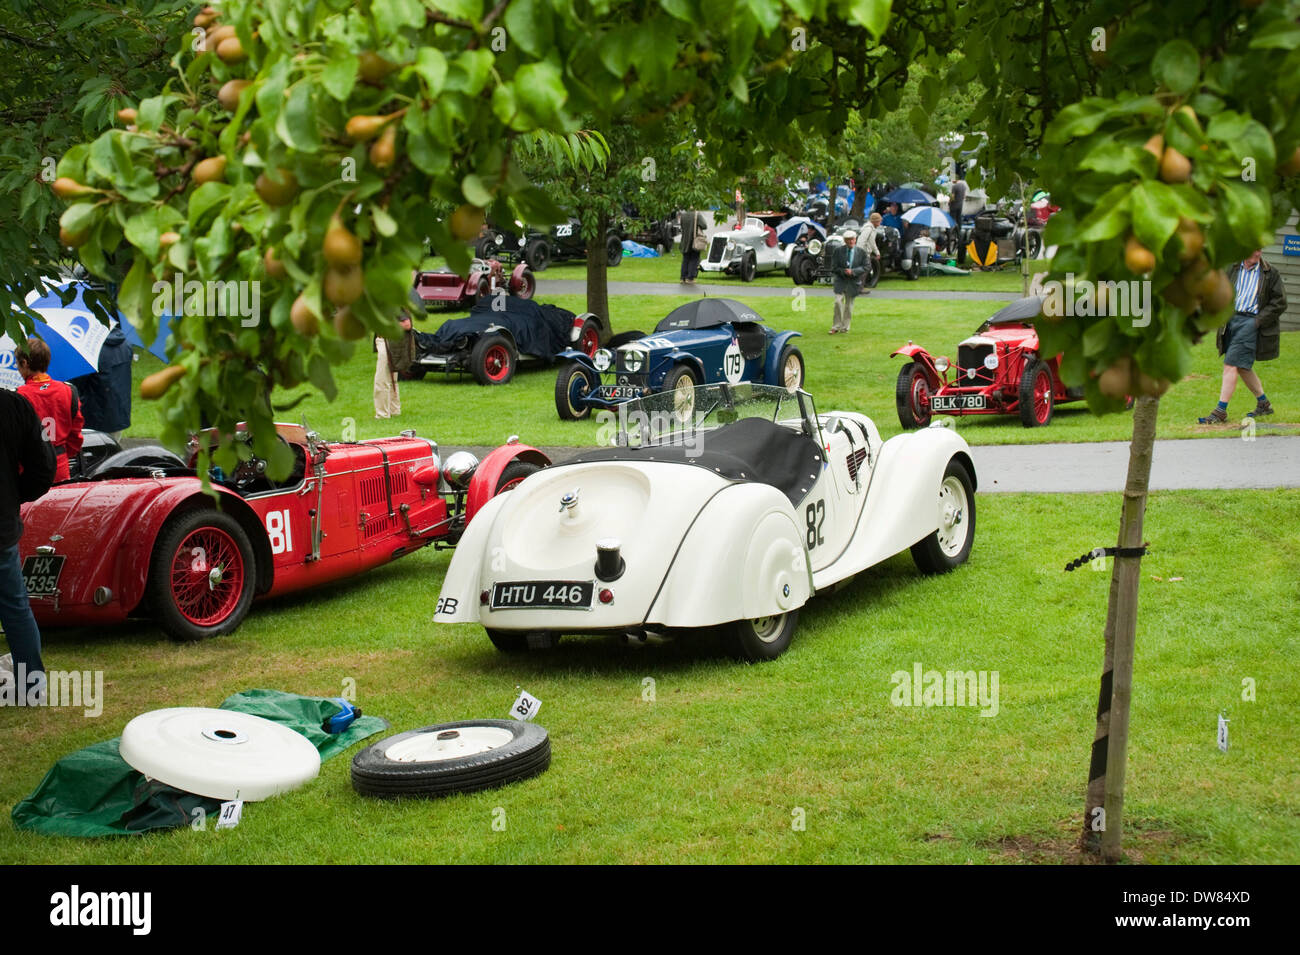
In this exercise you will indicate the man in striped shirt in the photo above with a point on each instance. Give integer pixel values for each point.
(1252, 334)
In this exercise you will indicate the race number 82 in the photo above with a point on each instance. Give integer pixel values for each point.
(816, 516)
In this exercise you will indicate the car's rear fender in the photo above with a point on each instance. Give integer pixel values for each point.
(772, 366)
(924, 359)
(483, 485)
(719, 575)
(575, 330)
(503, 332)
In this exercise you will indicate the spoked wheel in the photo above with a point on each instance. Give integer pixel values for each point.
(763, 638)
(681, 384)
(949, 546)
(1037, 399)
(493, 360)
(791, 367)
(202, 575)
(589, 338)
(525, 286)
(912, 396)
(573, 382)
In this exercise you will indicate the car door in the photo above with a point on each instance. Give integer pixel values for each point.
(831, 510)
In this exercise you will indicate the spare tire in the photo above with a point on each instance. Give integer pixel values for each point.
(460, 757)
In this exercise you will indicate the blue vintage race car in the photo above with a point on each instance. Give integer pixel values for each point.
(704, 342)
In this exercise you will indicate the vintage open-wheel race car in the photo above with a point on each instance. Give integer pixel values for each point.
(138, 536)
(998, 370)
(445, 289)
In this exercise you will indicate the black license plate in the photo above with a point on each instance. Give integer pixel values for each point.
(550, 594)
(41, 574)
(957, 403)
(619, 391)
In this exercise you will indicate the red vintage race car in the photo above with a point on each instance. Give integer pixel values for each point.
(139, 537)
(998, 371)
(444, 289)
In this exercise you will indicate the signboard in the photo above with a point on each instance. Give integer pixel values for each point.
(1291, 245)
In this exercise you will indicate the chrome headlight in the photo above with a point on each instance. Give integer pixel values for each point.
(633, 360)
(521, 243)
(459, 469)
(602, 359)
(941, 364)
(501, 240)
(815, 246)
(731, 245)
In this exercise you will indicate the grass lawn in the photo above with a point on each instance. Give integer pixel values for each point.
(849, 372)
(714, 767)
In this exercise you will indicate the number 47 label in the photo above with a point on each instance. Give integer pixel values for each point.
(230, 813)
(525, 707)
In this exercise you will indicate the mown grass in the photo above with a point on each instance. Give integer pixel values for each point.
(849, 372)
(714, 767)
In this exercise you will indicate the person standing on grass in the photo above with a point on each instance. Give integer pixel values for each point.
(57, 404)
(693, 243)
(27, 465)
(848, 266)
(393, 357)
(1252, 334)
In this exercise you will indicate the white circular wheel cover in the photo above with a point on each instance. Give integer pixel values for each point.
(953, 516)
(221, 754)
(451, 743)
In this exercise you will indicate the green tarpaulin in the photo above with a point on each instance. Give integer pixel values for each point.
(94, 792)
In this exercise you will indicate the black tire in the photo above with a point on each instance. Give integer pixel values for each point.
(671, 381)
(613, 251)
(789, 355)
(537, 253)
(485, 248)
(914, 270)
(484, 291)
(513, 473)
(414, 373)
(748, 266)
(912, 386)
(756, 641)
(624, 338)
(493, 360)
(1035, 381)
(521, 641)
(932, 555)
(527, 287)
(803, 268)
(565, 383)
(526, 754)
(175, 545)
(1034, 241)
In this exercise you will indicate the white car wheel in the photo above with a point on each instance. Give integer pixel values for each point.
(953, 508)
(763, 638)
(949, 545)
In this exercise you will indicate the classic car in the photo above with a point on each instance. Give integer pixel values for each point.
(500, 331)
(444, 289)
(748, 251)
(561, 243)
(998, 370)
(732, 518)
(702, 342)
(140, 537)
(810, 261)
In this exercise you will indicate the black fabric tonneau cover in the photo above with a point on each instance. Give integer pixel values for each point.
(539, 330)
(751, 449)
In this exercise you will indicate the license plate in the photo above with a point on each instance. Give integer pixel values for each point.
(619, 391)
(549, 594)
(41, 574)
(957, 403)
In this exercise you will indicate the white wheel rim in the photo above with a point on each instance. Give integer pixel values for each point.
(451, 743)
(683, 398)
(792, 376)
(768, 629)
(954, 511)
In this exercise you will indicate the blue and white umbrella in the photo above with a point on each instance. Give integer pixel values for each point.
(795, 226)
(52, 300)
(903, 196)
(930, 217)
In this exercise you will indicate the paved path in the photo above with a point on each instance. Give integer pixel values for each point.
(1202, 463)
(738, 288)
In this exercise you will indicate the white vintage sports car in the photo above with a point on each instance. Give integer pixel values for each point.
(730, 512)
(747, 252)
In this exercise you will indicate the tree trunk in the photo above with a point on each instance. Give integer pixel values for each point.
(1121, 629)
(598, 276)
(859, 196)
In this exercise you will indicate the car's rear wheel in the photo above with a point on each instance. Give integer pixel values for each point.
(803, 268)
(525, 286)
(748, 266)
(680, 383)
(537, 253)
(521, 641)
(764, 638)
(493, 360)
(790, 367)
(485, 248)
(201, 575)
(1037, 399)
(912, 396)
(573, 382)
(613, 251)
(948, 547)
(589, 337)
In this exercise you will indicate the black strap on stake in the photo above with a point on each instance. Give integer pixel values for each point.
(1108, 552)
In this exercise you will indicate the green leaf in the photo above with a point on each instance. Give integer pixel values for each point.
(340, 75)
(1097, 337)
(79, 216)
(469, 71)
(475, 191)
(202, 201)
(539, 88)
(385, 224)
(528, 23)
(142, 232)
(296, 124)
(1281, 34)
(1248, 212)
(1078, 119)
(318, 370)
(1155, 214)
(133, 297)
(1109, 217)
(739, 87)
(872, 14)
(431, 66)
(1177, 65)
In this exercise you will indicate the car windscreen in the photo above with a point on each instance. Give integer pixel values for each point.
(682, 415)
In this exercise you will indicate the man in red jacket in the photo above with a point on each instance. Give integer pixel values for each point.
(55, 402)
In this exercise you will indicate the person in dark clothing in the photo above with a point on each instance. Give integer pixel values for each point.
(693, 243)
(1252, 334)
(106, 394)
(26, 472)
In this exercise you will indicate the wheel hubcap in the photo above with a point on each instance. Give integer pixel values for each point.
(952, 516)
(768, 629)
(496, 362)
(792, 377)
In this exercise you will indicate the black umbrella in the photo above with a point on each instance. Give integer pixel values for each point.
(707, 313)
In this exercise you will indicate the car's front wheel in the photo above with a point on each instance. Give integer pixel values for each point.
(912, 396)
(748, 266)
(763, 638)
(537, 254)
(572, 384)
(492, 360)
(680, 383)
(202, 575)
(790, 366)
(948, 546)
(1037, 400)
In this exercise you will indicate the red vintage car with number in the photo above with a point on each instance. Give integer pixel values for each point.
(998, 370)
(444, 289)
(140, 537)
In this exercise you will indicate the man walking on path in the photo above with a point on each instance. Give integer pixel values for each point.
(1252, 334)
(848, 265)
